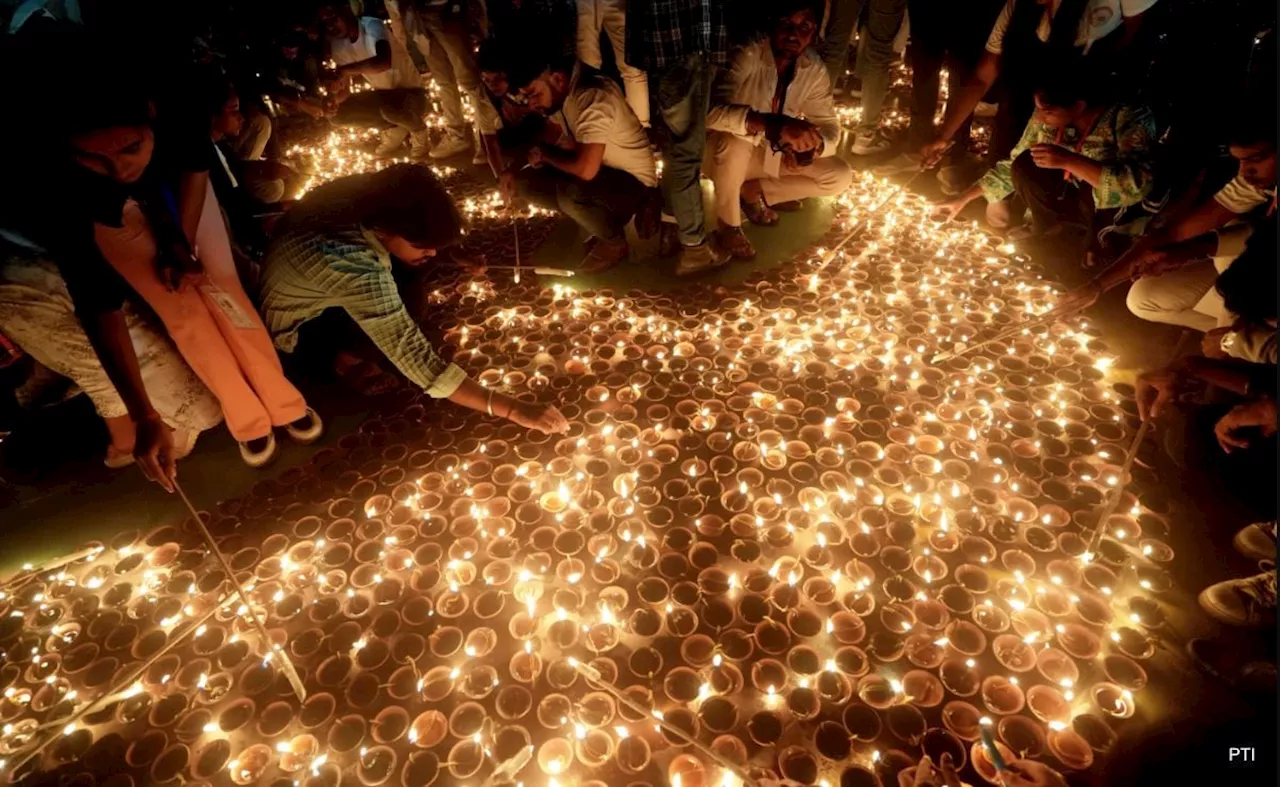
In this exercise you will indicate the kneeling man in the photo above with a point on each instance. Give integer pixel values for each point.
(772, 131)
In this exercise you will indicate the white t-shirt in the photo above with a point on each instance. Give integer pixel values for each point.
(595, 111)
(1100, 18)
(372, 30)
(1241, 196)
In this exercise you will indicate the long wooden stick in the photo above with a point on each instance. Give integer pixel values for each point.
(1130, 455)
(273, 653)
(1114, 501)
(863, 223)
(593, 675)
(1012, 330)
(515, 230)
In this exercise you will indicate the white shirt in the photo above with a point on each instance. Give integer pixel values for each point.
(1241, 196)
(344, 51)
(1100, 18)
(595, 112)
(750, 84)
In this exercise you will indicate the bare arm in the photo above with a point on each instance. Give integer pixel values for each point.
(192, 190)
(1085, 169)
(381, 61)
(962, 104)
(582, 161)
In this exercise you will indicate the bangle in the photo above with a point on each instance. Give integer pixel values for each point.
(488, 403)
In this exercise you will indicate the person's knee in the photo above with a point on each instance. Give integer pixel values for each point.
(1142, 299)
(836, 176)
(258, 126)
(1024, 167)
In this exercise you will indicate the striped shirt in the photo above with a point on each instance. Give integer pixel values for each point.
(346, 267)
(661, 33)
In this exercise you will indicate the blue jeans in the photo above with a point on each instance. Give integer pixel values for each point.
(680, 96)
(884, 17)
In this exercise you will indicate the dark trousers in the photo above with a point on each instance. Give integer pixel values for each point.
(602, 206)
(944, 32)
(679, 97)
(1054, 200)
(384, 108)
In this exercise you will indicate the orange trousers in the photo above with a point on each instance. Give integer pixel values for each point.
(211, 321)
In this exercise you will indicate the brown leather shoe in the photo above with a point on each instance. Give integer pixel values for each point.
(790, 206)
(735, 241)
(758, 212)
(604, 254)
(706, 256)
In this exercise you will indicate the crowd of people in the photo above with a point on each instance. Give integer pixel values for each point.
(150, 250)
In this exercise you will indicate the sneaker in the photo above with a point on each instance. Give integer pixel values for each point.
(419, 144)
(870, 144)
(450, 146)
(307, 429)
(392, 142)
(117, 459)
(604, 254)
(259, 452)
(985, 110)
(706, 256)
(736, 242)
(1257, 541)
(1247, 602)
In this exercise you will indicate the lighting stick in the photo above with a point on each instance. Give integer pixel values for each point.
(1012, 330)
(861, 225)
(28, 574)
(515, 230)
(1114, 501)
(272, 652)
(593, 675)
(116, 691)
(537, 269)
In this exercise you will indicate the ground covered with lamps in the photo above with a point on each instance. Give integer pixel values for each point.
(778, 543)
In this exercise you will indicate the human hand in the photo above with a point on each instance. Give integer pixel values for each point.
(1077, 300)
(1155, 389)
(1259, 414)
(1029, 773)
(948, 210)
(799, 135)
(933, 152)
(153, 451)
(926, 775)
(1048, 156)
(507, 186)
(1156, 261)
(1211, 343)
(536, 157)
(543, 417)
